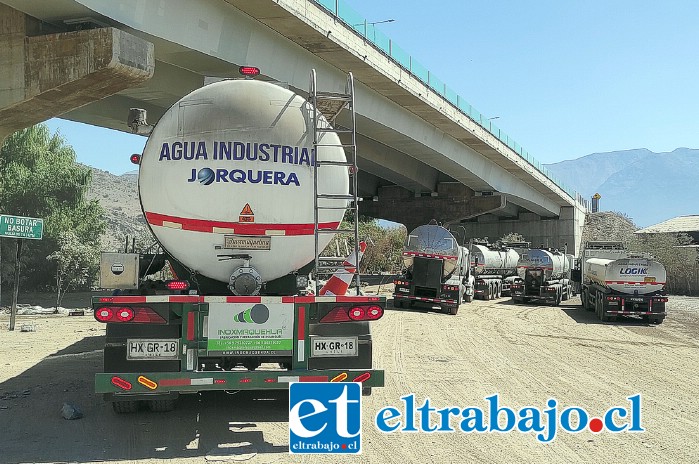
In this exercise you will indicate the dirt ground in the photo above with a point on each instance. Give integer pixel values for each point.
(527, 354)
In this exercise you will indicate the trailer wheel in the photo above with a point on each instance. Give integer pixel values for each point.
(125, 407)
(161, 405)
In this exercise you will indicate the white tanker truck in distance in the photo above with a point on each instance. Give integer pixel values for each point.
(544, 275)
(226, 184)
(437, 270)
(618, 282)
(495, 269)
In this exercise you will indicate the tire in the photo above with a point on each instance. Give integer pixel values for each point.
(516, 300)
(453, 310)
(161, 405)
(125, 407)
(468, 298)
(557, 302)
(566, 295)
(366, 391)
(657, 319)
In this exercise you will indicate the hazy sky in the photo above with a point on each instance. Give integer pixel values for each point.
(565, 78)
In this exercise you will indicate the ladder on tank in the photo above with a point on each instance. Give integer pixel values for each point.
(330, 105)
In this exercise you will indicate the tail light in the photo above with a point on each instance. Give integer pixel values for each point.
(613, 298)
(138, 314)
(355, 313)
(450, 288)
(249, 70)
(177, 285)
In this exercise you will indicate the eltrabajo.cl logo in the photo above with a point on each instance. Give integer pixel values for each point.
(325, 417)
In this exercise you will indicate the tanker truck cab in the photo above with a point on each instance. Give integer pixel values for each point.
(238, 315)
(436, 271)
(545, 275)
(617, 282)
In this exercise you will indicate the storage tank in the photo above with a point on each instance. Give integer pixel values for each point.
(433, 241)
(556, 265)
(496, 261)
(227, 174)
(627, 275)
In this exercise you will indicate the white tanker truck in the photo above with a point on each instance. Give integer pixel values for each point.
(495, 269)
(618, 282)
(437, 270)
(544, 275)
(226, 184)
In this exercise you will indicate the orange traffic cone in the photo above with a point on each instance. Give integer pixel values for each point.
(339, 282)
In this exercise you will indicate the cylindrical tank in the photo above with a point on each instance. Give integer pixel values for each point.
(555, 265)
(628, 275)
(486, 260)
(433, 241)
(227, 173)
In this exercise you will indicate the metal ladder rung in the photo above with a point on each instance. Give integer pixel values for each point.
(333, 231)
(330, 129)
(334, 163)
(349, 145)
(333, 96)
(335, 196)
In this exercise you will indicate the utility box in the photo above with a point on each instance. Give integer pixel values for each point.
(119, 270)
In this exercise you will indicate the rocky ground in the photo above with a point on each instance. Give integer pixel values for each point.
(527, 354)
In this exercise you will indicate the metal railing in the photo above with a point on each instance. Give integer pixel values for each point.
(385, 45)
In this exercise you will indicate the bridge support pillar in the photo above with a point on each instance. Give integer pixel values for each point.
(44, 74)
(452, 202)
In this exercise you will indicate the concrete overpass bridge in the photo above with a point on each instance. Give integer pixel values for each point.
(423, 150)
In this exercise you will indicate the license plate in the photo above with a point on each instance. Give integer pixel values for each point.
(404, 290)
(152, 349)
(634, 299)
(324, 347)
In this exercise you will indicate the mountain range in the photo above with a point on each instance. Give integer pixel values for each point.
(645, 186)
(648, 187)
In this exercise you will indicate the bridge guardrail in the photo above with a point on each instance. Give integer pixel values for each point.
(383, 43)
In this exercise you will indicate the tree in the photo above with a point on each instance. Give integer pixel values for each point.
(76, 263)
(39, 177)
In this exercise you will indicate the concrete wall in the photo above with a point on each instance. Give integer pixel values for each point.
(43, 75)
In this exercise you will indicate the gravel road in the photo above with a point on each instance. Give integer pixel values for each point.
(526, 354)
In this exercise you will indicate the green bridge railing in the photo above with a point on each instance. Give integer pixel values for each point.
(384, 44)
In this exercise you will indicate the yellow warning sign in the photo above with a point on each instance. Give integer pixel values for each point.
(246, 215)
(596, 196)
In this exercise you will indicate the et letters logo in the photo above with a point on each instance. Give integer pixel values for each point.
(325, 417)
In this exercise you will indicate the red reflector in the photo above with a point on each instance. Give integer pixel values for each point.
(104, 314)
(246, 380)
(124, 314)
(177, 284)
(190, 326)
(106, 299)
(135, 158)
(362, 377)
(121, 383)
(249, 70)
(146, 315)
(338, 314)
(357, 313)
(270, 380)
(219, 381)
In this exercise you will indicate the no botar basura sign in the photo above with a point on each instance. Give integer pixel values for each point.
(21, 227)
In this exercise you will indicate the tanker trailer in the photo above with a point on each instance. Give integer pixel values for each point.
(437, 270)
(544, 275)
(623, 284)
(495, 269)
(226, 185)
